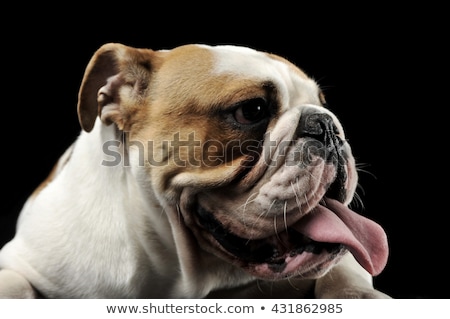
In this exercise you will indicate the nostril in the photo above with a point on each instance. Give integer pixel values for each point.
(317, 125)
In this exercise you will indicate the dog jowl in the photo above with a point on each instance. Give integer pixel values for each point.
(199, 171)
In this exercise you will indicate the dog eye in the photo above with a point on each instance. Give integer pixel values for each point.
(251, 111)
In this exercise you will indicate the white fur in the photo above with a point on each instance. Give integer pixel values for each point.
(93, 231)
(293, 88)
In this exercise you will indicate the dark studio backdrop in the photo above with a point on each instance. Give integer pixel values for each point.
(372, 70)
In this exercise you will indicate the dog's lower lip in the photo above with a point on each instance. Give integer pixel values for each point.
(272, 250)
(242, 248)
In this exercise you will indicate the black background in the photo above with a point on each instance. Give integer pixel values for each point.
(382, 71)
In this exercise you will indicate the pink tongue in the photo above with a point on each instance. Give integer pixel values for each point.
(336, 223)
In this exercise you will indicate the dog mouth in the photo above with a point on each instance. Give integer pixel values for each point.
(275, 252)
(308, 247)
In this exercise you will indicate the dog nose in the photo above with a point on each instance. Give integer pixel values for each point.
(321, 127)
(327, 144)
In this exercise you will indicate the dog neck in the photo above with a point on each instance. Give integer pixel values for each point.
(139, 207)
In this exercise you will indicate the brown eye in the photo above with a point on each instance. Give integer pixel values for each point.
(251, 111)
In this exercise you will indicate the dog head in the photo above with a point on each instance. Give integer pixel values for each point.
(239, 147)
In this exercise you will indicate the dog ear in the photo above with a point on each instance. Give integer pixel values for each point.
(112, 67)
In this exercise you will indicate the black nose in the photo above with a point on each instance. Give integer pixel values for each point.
(325, 143)
(321, 127)
(316, 125)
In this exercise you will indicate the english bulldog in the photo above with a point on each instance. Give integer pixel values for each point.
(200, 172)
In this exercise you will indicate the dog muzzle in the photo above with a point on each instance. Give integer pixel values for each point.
(293, 219)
